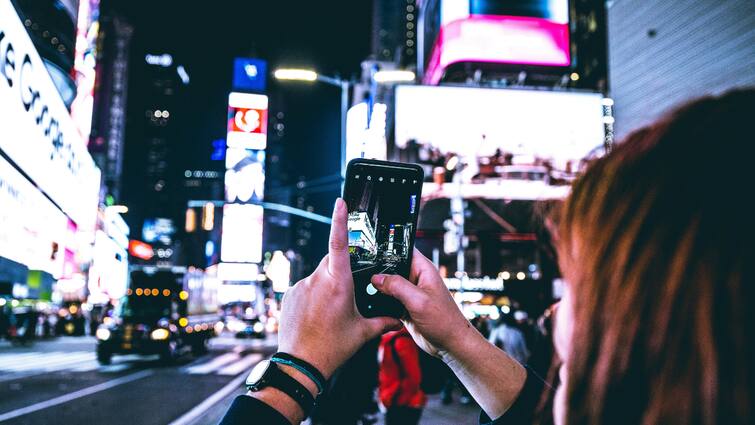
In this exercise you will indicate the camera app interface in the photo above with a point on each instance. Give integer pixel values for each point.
(383, 203)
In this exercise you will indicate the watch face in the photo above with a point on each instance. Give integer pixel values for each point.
(256, 374)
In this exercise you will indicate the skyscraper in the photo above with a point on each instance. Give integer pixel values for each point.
(394, 31)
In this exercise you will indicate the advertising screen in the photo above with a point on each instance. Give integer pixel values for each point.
(242, 234)
(247, 121)
(38, 133)
(528, 32)
(520, 144)
(249, 74)
(158, 230)
(32, 229)
(245, 175)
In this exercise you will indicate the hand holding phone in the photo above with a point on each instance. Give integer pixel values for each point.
(382, 199)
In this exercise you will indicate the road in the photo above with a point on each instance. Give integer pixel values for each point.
(60, 381)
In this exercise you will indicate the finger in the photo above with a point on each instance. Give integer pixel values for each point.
(397, 287)
(380, 325)
(421, 266)
(338, 246)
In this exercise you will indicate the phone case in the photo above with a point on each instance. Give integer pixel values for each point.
(369, 301)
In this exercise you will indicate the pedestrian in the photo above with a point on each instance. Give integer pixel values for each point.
(655, 247)
(400, 379)
(510, 339)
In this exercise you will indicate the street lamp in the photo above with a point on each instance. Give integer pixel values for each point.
(296, 74)
(393, 76)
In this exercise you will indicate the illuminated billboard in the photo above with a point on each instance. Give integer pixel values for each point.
(366, 139)
(38, 133)
(520, 144)
(32, 229)
(249, 74)
(244, 176)
(527, 32)
(247, 121)
(242, 233)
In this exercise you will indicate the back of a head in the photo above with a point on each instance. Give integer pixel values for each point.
(655, 241)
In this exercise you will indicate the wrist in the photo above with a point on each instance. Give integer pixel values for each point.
(312, 357)
(301, 378)
(466, 340)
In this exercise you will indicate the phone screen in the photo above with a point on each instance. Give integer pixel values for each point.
(383, 203)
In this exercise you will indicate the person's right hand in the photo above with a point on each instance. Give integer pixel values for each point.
(435, 321)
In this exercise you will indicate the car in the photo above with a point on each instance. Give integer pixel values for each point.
(246, 327)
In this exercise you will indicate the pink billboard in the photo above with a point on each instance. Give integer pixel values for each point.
(494, 34)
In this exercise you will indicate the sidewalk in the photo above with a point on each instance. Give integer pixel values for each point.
(436, 413)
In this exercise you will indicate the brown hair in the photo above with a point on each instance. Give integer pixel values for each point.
(657, 245)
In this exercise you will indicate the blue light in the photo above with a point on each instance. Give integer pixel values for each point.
(218, 150)
(249, 74)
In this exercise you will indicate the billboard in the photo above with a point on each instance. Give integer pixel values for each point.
(249, 74)
(244, 176)
(247, 121)
(533, 141)
(158, 230)
(32, 229)
(527, 32)
(38, 132)
(241, 238)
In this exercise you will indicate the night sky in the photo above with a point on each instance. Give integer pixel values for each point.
(332, 40)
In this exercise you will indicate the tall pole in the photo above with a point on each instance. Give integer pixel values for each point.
(344, 108)
(457, 215)
(344, 86)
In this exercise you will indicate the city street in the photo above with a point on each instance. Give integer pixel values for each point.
(168, 173)
(60, 381)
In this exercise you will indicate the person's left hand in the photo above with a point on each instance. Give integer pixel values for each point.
(319, 321)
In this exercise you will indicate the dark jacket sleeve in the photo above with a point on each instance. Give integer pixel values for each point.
(523, 409)
(251, 411)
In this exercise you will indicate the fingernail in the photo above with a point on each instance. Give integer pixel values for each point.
(338, 205)
(378, 279)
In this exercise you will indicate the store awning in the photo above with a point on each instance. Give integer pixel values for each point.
(11, 272)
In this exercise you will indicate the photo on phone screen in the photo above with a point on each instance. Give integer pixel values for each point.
(383, 203)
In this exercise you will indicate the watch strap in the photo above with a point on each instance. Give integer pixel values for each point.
(275, 377)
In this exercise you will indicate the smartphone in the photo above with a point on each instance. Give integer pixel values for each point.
(383, 203)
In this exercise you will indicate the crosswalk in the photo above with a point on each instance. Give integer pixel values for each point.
(228, 364)
(22, 364)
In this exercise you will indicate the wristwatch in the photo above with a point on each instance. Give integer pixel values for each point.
(268, 374)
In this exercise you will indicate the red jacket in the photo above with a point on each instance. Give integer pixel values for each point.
(399, 379)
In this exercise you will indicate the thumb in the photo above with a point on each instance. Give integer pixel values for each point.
(397, 287)
(380, 325)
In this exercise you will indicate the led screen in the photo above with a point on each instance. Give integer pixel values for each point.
(526, 32)
(535, 141)
(242, 234)
(245, 175)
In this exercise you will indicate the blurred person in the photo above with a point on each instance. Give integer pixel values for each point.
(349, 398)
(541, 352)
(5, 320)
(400, 379)
(482, 324)
(507, 336)
(652, 326)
